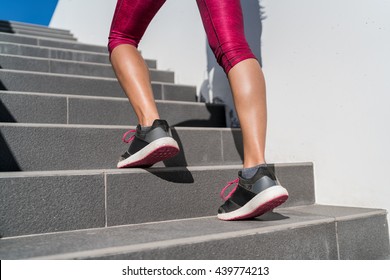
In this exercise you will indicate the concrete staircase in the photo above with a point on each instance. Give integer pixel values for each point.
(62, 115)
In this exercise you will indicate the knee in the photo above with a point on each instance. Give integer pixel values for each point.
(115, 39)
(230, 53)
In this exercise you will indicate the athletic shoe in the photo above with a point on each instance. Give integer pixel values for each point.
(148, 146)
(252, 197)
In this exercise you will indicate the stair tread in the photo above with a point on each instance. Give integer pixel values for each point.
(51, 39)
(83, 77)
(103, 242)
(65, 61)
(25, 57)
(46, 41)
(38, 33)
(199, 146)
(76, 68)
(96, 197)
(52, 48)
(12, 23)
(110, 98)
(97, 126)
(16, 174)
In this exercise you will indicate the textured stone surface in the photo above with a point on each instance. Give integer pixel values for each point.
(6, 37)
(72, 45)
(22, 63)
(301, 177)
(179, 92)
(363, 239)
(91, 147)
(317, 242)
(71, 67)
(55, 83)
(31, 205)
(24, 50)
(32, 108)
(133, 195)
(362, 232)
(184, 193)
(40, 33)
(58, 148)
(291, 235)
(339, 213)
(47, 108)
(164, 195)
(198, 146)
(79, 56)
(80, 68)
(232, 145)
(55, 43)
(13, 80)
(119, 112)
(63, 54)
(26, 26)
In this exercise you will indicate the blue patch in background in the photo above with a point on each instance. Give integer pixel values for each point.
(29, 11)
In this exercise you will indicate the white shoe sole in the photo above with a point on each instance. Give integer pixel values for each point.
(259, 205)
(158, 150)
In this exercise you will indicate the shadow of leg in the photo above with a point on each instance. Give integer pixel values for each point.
(174, 175)
(271, 216)
(179, 159)
(178, 173)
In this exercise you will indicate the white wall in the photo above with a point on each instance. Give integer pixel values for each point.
(326, 65)
(89, 20)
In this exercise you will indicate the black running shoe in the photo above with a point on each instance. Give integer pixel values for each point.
(252, 197)
(148, 147)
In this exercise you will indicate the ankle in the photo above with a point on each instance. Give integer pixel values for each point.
(253, 163)
(249, 172)
(147, 121)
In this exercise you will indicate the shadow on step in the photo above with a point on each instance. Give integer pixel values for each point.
(5, 27)
(180, 158)
(7, 159)
(271, 216)
(182, 175)
(216, 119)
(5, 115)
(2, 86)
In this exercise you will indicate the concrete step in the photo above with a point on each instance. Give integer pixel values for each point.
(27, 81)
(29, 26)
(105, 198)
(73, 109)
(56, 53)
(58, 66)
(38, 33)
(33, 147)
(308, 232)
(54, 43)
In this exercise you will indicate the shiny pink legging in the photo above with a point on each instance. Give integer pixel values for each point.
(222, 20)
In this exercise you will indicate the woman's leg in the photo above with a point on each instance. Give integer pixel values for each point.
(257, 190)
(152, 141)
(224, 27)
(133, 75)
(131, 18)
(248, 87)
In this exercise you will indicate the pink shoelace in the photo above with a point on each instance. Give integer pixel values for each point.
(231, 192)
(124, 138)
